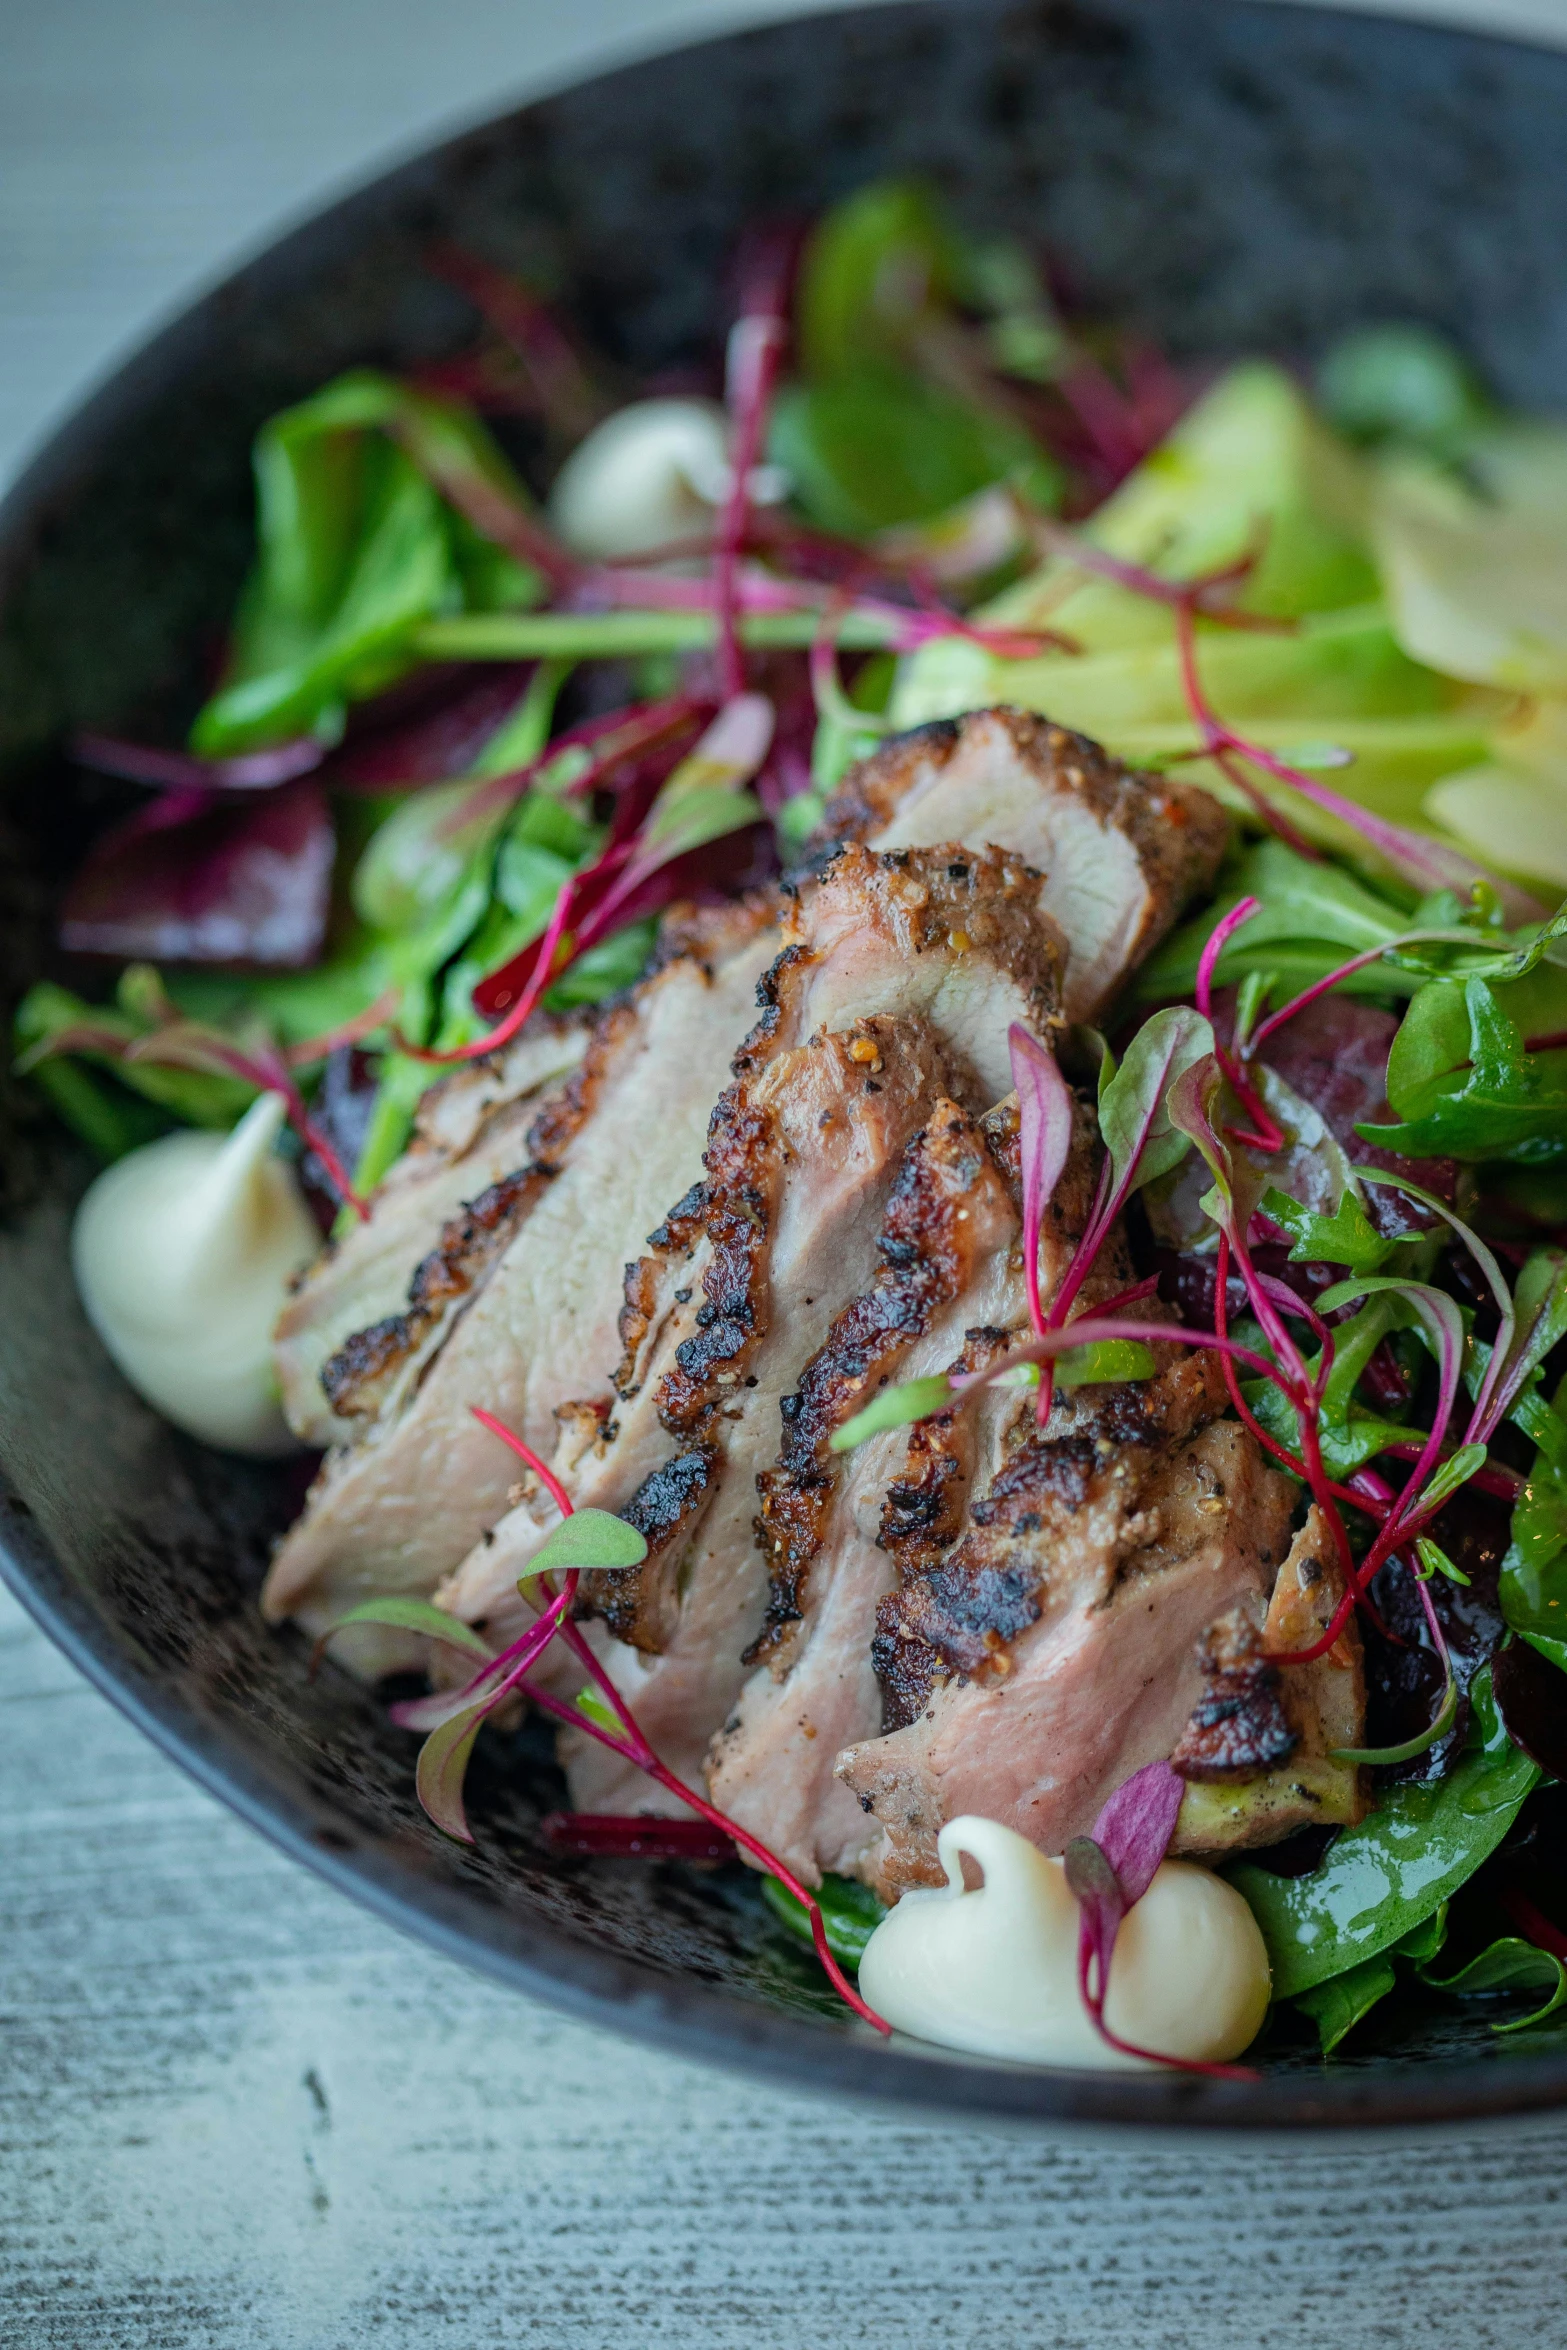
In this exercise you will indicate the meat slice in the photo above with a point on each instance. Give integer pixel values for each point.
(893, 993)
(399, 1510)
(1052, 1653)
(835, 1529)
(1258, 1750)
(470, 1134)
(1120, 852)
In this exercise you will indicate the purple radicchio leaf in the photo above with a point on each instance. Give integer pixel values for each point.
(200, 878)
(1045, 1114)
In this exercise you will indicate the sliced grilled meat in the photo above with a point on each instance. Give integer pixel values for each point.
(836, 1530)
(1119, 853)
(400, 1509)
(406, 1260)
(893, 992)
(1052, 1653)
(1258, 1749)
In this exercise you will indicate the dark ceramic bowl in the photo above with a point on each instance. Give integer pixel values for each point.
(1227, 177)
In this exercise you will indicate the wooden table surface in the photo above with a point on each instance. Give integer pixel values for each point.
(237, 2113)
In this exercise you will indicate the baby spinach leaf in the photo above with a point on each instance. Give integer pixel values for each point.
(356, 545)
(1495, 1101)
(1391, 1872)
(882, 446)
(1345, 2000)
(1510, 1964)
(850, 1913)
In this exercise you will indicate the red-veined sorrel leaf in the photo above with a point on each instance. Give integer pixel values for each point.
(443, 1765)
(1109, 1872)
(1045, 1116)
(406, 1614)
(196, 878)
(1112, 1869)
(585, 1540)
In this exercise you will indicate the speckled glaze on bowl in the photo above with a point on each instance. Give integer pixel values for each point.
(1227, 176)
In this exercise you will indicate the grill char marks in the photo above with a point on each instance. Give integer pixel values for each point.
(1053, 1652)
(892, 970)
(1120, 853)
(471, 1135)
(400, 1510)
(949, 1296)
(639, 1608)
(364, 1376)
(928, 1259)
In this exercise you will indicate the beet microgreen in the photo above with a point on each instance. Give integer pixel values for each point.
(1109, 1871)
(584, 1540)
(1046, 1113)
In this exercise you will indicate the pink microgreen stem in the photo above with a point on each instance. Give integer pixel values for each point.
(363, 1024)
(756, 347)
(1425, 863)
(1321, 987)
(1266, 1134)
(546, 966)
(1046, 1116)
(630, 1742)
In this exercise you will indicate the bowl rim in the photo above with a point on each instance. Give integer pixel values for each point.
(563, 1970)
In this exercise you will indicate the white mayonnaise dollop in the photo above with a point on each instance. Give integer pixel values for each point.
(183, 1253)
(994, 1970)
(648, 476)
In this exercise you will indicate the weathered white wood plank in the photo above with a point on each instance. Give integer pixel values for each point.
(238, 2114)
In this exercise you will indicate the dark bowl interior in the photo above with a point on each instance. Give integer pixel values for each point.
(1227, 177)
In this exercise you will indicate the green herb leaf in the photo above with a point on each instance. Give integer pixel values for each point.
(1345, 2000)
(850, 1914)
(895, 1407)
(1510, 1964)
(1493, 1101)
(1347, 1237)
(1111, 1358)
(589, 1702)
(406, 1614)
(588, 1539)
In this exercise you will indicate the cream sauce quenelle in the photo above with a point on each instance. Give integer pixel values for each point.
(993, 1969)
(183, 1254)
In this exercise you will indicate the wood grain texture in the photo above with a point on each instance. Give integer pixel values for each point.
(238, 2114)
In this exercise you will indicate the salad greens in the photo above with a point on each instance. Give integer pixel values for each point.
(494, 761)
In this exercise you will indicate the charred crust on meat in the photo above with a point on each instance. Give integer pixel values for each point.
(1238, 1727)
(1178, 829)
(928, 1253)
(663, 1510)
(355, 1379)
